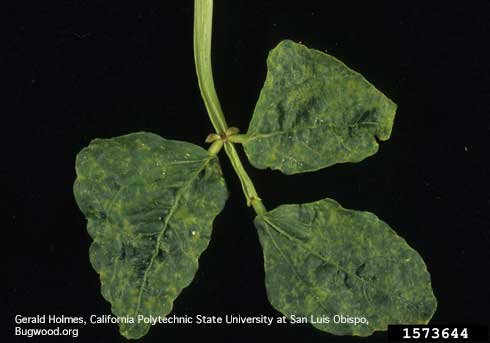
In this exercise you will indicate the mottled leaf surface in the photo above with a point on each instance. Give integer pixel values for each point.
(150, 204)
(313, 112)
(322, 260)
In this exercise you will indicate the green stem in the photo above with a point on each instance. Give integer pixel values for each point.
(203, 27)
(215, 147)
(248, 187)
(240, 139)
(203, 24)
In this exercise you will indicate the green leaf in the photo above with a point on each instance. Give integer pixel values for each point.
(150, 204)
(313, 112)
(323, 260)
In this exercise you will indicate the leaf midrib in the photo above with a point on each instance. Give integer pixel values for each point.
(162, 232)
(291, 130)
(297, 241)
(296, 273)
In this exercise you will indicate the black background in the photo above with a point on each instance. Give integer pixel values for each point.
(77, 70)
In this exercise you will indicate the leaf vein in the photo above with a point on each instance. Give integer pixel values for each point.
(162, 232)
(300, 244)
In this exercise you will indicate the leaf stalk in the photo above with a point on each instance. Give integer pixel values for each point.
(203, 24)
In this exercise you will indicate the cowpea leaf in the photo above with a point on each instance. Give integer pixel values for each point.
(313, 112)
(322, 260)
(150, 204)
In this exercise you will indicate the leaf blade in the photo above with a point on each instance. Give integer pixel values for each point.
(321, 260)
(313, 112)
(150, 204)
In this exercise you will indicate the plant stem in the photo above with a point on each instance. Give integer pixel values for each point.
(203, 24)
(240, 139)
(203, 27)
(247, 184)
